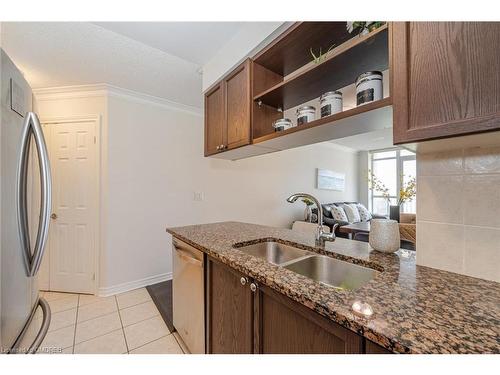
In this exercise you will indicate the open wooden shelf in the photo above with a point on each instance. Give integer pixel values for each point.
(283, 76)
(291, 50)
(368, 118)
(327, 120)
(341, 67)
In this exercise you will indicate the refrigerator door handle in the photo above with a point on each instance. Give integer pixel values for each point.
(21, 198)
(46, 194)
(40, 336)
(44, 327)
(33, 260)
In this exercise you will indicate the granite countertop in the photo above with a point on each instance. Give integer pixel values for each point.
(416, 309)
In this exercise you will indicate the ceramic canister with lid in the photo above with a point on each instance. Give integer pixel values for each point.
(369, 87)
(305, 114)
(282, 124)
(331, 103)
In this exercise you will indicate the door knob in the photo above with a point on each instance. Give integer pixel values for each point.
(53, 216)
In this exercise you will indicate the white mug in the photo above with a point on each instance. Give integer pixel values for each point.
(384, 235)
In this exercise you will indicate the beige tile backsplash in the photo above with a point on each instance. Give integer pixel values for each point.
(443, 199)
(482, 200)
(458, 211)
(482, 160)
(440, 164)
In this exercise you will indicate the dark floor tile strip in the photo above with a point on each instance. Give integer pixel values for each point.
(161, 294)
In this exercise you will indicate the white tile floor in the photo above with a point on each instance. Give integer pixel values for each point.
(126, 323)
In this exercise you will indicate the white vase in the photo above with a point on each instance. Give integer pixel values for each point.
(384, 235)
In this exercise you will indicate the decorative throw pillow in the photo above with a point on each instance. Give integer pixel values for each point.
(338, 213)
(364, 214)
(327, 210)
(352, 213)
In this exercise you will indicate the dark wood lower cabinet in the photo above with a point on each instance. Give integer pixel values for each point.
(243, 321)
(286, 327)
(229, 311)
(372, 348)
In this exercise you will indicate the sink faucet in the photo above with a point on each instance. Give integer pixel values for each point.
(321, 235)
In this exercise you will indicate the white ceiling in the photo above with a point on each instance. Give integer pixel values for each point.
(196, 42)
(159, 59)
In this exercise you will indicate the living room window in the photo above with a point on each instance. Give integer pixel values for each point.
(392, 168)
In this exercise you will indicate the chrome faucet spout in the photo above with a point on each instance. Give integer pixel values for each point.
(321, 235)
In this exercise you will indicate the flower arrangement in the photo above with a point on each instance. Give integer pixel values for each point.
(407, 191)
(376, 184)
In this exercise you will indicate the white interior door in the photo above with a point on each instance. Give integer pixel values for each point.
(71, 253)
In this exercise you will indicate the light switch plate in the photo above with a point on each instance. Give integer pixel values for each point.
(198, 196)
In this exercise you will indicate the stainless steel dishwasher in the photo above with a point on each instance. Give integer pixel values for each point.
(188, 295)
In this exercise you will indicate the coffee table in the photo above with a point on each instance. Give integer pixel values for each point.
(407, 231)
(351, 229)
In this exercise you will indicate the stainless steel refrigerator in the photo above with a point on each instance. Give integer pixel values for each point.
(25, 215)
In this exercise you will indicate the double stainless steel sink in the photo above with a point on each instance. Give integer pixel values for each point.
(275, 252)
(321, 268)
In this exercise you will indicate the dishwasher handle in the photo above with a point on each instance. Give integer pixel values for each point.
(184, 255)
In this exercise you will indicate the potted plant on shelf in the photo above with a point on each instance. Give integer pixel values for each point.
(363, 27)
(406, 194)
(320, 57)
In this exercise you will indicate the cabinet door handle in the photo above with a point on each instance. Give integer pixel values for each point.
(253, 287)
(243, 281)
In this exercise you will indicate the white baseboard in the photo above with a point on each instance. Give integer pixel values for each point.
(131, 285)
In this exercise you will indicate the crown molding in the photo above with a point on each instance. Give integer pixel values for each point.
(71, 92)
(105, 90)
(150, 99)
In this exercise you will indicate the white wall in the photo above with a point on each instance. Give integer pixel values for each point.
(156, 165)
(363, 168)
(251, 38)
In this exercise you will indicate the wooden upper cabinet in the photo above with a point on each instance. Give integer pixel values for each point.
(227, 112)
(237, 106)
(229, 311)
(214, 120)
(445, 79)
